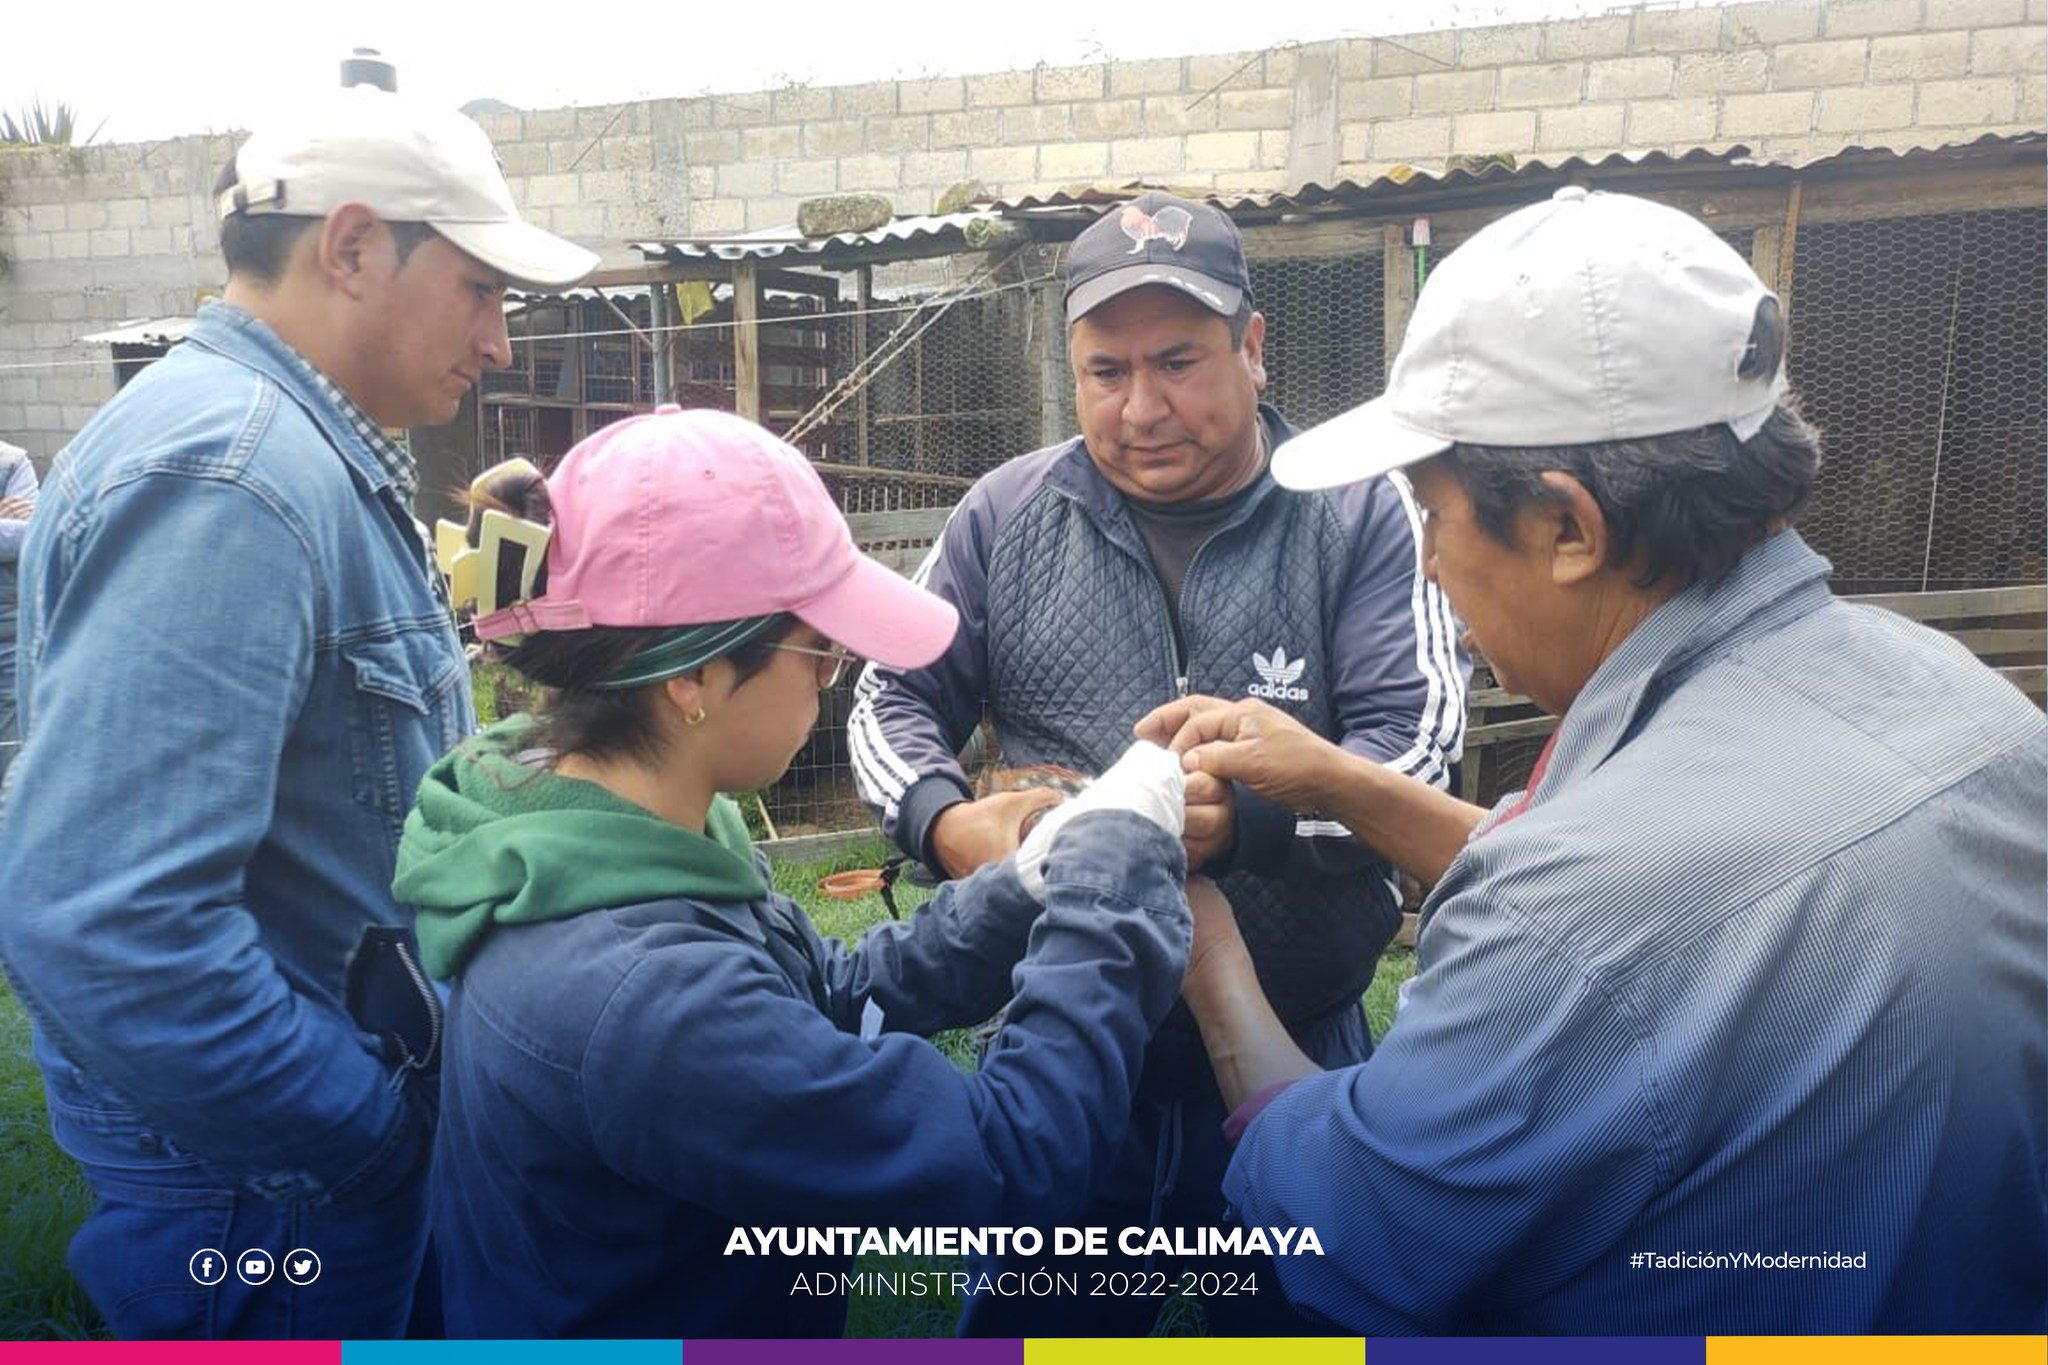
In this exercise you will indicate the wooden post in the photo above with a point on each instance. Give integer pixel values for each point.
(1766, 249)
(746, 339)
(658, 299)
(1788, 247)
(1049, 325)
(863, 299)
(1397, 293)
(917, 413)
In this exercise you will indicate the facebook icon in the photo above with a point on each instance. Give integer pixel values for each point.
(209, 1266)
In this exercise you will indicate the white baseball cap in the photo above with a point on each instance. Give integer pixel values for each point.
(1588, 317)
(409, 163)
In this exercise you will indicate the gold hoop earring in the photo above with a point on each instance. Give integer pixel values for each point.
(695, 718)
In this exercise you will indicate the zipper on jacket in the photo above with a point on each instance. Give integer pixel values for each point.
(1187, 661)
(433, 1001)
(1176, 662)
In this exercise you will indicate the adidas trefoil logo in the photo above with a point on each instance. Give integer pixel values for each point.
(1279, 674)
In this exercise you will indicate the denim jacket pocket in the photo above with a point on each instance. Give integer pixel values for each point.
(404, 712)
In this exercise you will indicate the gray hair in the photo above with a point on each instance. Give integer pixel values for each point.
(1240, 322)
(1689, 503)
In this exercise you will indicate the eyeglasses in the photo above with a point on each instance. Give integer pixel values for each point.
(831, 666)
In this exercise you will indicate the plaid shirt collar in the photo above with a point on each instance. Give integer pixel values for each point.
(394, 459)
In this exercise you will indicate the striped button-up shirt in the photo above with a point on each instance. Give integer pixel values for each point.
(1737, 1028)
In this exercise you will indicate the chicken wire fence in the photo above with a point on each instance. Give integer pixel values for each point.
(1917, 344)
(1919, 349)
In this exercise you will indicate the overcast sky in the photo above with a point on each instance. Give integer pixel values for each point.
(164, 68)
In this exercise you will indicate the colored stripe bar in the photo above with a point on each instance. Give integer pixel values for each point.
(511, 1352)
(858, 1351)
(1536, 1351)
(1876, 1350)
(172, 1352)
(1196, 1351)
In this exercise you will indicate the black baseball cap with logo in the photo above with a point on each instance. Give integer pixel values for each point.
(1158, 239)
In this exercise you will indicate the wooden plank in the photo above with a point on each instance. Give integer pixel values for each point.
(1961, 604)
(895, 476)
(813, 848)
(797, 282)
(1766, 251)
(1726, 198)
(877, 528)
(1336, 236)
(658, 300)
(902, 559)
(1055, 377)
(1788, 243)
(864, 300)
(2003, 641)
(1495, 699)
(746, 339)
(1873, 193)
(1397, 292)
(1481, 736)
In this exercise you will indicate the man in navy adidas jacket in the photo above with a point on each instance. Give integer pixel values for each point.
(1151, 557)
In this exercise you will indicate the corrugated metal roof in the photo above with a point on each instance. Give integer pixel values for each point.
(141, 332)
(1987, 142)
(519, 301)
(1487, 172)
(1484, 170)
(770, 243)
(518, 297)
(970, 230)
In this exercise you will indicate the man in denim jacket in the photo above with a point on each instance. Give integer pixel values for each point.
(235, 667)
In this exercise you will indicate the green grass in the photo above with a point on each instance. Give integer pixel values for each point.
(45, 1198)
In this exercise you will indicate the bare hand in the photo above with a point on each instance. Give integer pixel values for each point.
(1218, 947)
(973, 834)
(1212, 820)
(1250, 742)
(16, 509)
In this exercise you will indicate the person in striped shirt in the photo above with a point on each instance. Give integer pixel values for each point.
(1732, 1022)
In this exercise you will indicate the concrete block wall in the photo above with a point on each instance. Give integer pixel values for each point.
(1789, 78)
(125, 231)
(93, 237)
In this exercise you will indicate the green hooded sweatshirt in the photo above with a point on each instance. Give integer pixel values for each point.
(494, 841)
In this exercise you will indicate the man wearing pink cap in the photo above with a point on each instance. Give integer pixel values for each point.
(235, 666)
(651, 1053)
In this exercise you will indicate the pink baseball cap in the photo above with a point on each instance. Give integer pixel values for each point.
(684, 518)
